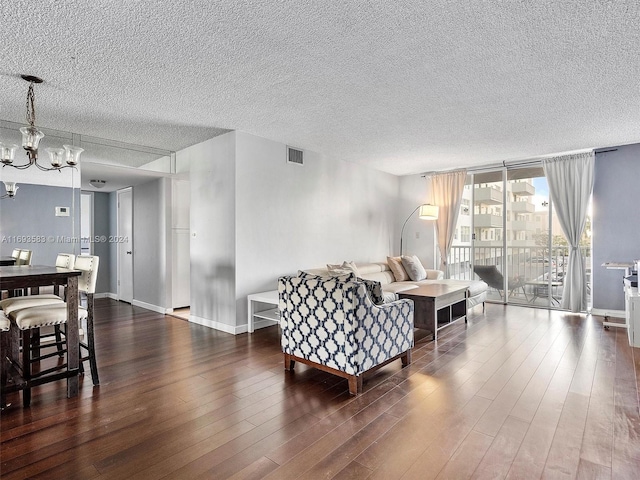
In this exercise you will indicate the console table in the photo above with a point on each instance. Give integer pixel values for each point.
(437, 306)
(626, 267)
(632, 315)
(256, 309)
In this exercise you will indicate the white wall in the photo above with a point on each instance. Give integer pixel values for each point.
(418, 234)
(150, 249)
(290, 217)
(255, 218)
(616, 231)
(212, 179)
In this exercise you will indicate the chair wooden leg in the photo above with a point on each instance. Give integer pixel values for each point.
(91, 346)
(35, 341)
(406, 358)
(26, 366)
(288, 363)
(355, 384)
(5, 347)
(58, 336)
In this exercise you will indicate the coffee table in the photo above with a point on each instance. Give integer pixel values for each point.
(437, 306)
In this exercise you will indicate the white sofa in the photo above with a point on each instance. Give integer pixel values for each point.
(380, 272)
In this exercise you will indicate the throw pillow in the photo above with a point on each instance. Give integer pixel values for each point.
(414, 268)
(399, 273)
(345, 267)
(351, 266)
(374, 290)
(336, 269)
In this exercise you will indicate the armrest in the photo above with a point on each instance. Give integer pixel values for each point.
(376, 333)
(435, 274)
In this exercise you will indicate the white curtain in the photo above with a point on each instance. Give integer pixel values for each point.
(446, 193)
(570, 180)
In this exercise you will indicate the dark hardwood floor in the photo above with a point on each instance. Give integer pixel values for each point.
(517, 393)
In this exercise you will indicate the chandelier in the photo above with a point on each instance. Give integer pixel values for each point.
(11, 188)
(31, 137)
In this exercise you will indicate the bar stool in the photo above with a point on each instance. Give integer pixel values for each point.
(24, 258)
(4, 349)
(55, 314)
(8, 305)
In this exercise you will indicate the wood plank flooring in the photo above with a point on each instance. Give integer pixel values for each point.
(516, 393)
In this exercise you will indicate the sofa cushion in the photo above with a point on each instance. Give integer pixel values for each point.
(475, 287)
(414, 267)
(399, 272)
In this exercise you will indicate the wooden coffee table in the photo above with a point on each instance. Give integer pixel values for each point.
(437, 306)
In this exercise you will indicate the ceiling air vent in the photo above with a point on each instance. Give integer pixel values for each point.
(295, 155)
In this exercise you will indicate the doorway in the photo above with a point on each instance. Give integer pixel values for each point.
(125, 244)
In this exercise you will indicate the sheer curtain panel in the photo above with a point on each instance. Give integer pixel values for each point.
(446, 191)
(570, 180)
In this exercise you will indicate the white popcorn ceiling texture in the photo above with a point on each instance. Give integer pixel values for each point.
(402, 86)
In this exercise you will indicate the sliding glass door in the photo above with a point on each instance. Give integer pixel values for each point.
(508, 235)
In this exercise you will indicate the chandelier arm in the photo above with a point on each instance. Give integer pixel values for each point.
(19, 167)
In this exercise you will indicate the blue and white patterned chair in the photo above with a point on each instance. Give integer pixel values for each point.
(332, 324)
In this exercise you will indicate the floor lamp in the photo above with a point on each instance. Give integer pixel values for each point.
(427, 212)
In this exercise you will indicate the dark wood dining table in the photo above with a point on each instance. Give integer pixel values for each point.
(33, 276)
(6, 260)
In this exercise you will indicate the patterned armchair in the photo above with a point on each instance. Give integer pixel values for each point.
(333, 325)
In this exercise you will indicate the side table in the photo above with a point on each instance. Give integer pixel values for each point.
(256, 309)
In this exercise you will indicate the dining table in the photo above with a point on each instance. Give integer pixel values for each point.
(7, 260)
(32, 277)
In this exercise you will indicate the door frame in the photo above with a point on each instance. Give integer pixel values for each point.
(119, 234)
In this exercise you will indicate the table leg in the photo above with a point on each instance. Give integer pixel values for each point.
(249, 315)
(73, 340)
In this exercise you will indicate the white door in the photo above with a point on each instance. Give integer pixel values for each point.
(125, 245)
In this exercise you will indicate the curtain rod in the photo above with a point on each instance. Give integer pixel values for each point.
(515, 163)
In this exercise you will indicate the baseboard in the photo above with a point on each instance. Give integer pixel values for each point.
(149, 306)
(608, 313)
(223, 327)
(110, 295)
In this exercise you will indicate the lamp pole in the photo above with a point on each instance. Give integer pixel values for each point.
(405, 224)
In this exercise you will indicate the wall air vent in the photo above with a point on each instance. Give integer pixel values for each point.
(295, 155)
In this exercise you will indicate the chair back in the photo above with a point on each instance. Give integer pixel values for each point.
(88, 265)
(65, 260)
(16, 253)
(24, 258)
(490, 275)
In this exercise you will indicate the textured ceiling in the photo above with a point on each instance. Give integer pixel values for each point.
(402, 86)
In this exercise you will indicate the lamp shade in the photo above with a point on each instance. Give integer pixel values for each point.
(31, 137)
(428, 212)
(11, 188)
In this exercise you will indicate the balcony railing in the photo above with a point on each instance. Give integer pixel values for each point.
(529, 263)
